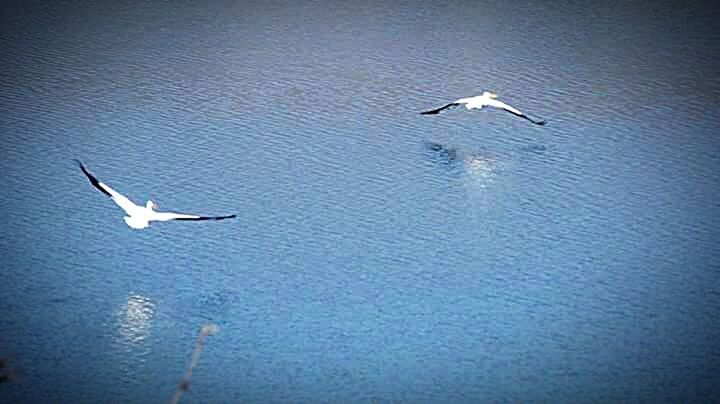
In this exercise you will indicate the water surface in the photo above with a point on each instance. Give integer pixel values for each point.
(378, 255)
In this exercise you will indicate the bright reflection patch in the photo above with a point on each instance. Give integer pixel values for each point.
(479, 171)
(135, 319)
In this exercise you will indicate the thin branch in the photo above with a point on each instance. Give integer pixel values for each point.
(7, 373)
(184, 385)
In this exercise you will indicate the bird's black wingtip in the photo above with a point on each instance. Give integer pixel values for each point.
(81, 166)
(198, 218)
(224, 217)
(94, 181)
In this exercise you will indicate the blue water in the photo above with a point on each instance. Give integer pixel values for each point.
(378, 255)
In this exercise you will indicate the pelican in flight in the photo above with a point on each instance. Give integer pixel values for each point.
(487, 99)
(139, 217)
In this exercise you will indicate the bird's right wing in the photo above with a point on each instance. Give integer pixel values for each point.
(121, 200)
(165, 216)
(437, 110)
(512, 110)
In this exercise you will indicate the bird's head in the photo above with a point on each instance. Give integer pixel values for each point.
(151, 205)
(489, 94)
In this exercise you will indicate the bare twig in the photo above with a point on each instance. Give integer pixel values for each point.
(208, 329)
(7, 373)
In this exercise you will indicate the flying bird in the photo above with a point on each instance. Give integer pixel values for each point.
(138, 216)
(487, 99)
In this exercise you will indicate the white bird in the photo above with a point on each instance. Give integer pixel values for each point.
(487, 99)
(139, 217)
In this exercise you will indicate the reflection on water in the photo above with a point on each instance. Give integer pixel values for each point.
(135, 319)
(478, 170)
(134, 323)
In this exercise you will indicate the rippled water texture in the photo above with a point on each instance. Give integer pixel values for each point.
(379, 255)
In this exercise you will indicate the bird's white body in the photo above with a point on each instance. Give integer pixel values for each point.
(487, 99)
(135, 222)
(139, 217)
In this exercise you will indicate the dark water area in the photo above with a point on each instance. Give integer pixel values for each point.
(379, 255)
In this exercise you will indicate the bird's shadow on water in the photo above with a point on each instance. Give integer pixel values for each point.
(444, 154)
(479, 166)
(441, 154)
(483, 171)
(537, 149)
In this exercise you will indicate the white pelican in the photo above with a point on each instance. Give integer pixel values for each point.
(487, 99)
(139, 217)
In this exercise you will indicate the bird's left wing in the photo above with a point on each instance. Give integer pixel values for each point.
(121, 200)
(165, 216)
(514, 111)
(437, 110)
